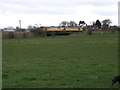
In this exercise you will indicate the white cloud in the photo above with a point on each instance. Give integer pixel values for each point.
(52, 12)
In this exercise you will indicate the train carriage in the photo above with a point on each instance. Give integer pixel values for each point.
(62, 30)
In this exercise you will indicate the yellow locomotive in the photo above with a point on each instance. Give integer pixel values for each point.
(62, 30)
(74, 29)
(57, 30)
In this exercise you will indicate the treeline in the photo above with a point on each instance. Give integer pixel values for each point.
(34, 31)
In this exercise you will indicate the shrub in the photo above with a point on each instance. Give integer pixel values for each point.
(89, 30)
(11, 35)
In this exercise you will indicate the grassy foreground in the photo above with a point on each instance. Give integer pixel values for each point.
(76, 61)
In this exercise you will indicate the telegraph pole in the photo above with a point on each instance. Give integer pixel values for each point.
(20, 23)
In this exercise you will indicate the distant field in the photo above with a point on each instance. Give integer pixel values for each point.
(75, 61)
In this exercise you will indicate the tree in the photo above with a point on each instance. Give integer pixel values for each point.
(106, 23)
(64, 23)
(30, 27)
(18, 29)
(98, 23)
(82, 22)
(72, 24)
(11, 28)
(113, 28)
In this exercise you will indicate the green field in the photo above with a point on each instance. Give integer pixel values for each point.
(74, 61)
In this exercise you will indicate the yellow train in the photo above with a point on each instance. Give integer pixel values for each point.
(61, 30)
(72, 29)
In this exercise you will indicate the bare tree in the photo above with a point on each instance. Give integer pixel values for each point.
(30, 27)
(64, 23)
(106, 23)
(72, 24)
(10, 28)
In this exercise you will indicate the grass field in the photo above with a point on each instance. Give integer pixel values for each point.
(76, 61)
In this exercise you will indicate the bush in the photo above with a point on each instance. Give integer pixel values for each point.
(38, 32)
(89, 30)
(11, 35)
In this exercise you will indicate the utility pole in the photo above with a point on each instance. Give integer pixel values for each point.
(20, 23)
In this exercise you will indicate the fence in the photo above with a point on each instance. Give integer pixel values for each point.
(6, 34)
(11, 35)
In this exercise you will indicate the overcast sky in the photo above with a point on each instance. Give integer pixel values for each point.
(52, 12)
